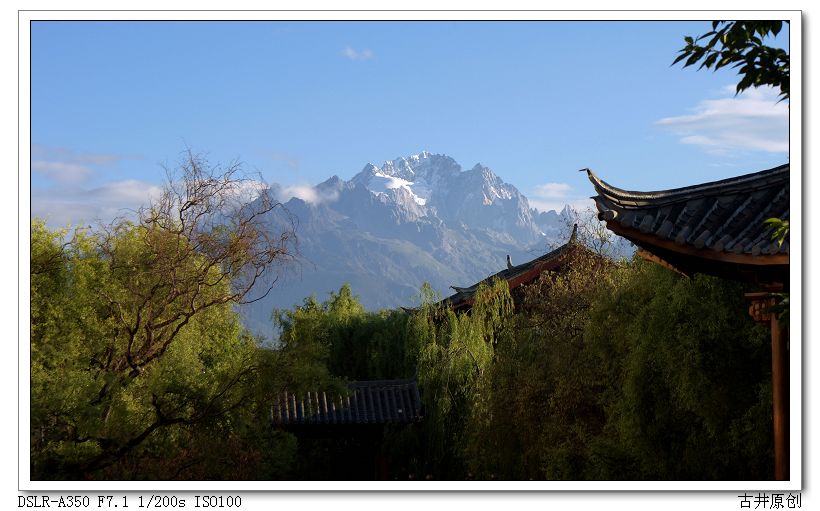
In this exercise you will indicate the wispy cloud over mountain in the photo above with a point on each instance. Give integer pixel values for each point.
(305, 192)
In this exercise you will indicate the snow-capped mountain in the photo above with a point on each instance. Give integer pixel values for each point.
(434, 185)
(421, 175)
(394, 226)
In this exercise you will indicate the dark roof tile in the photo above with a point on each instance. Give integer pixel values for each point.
(726, 215)
(716, 228)
(374, 402)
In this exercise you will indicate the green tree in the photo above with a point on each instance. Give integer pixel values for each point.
(133, 337)
(323, 345)
(740, 44)
(540, 402)
(619, 371)
(346, 340)
(685, 375)
(455, 355)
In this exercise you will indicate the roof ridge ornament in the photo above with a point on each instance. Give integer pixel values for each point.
(574, 236)
(509, 262)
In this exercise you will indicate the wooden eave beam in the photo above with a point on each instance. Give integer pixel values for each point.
(701, 253)
(649, 256)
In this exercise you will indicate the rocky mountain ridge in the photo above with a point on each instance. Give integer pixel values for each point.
(393, 227)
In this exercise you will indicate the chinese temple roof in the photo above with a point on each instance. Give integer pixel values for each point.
(367, 402)
(516, 276)
(715, 227)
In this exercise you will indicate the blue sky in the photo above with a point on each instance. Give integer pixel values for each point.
(112, 102)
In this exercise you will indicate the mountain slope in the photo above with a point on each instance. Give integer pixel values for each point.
(393, 227)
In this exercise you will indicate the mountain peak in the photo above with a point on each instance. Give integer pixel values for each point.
(416, 157)
(424, 168)
(412, 219)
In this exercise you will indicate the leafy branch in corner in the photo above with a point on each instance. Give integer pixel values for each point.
(739, 44)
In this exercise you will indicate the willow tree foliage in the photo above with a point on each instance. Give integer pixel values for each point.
(349, 342)
(602, 371)
(454, 360)
(539, 404)
(687, 374)
(605, 371)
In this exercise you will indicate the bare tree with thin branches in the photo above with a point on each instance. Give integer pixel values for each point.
(213, 238)
(209, 239)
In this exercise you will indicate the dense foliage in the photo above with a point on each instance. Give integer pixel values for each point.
(629, 373)
(350, 342)
(138, 360)
(90, 412)
(602, 371)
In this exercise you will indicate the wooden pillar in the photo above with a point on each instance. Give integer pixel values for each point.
(780, 399)
(759, 310)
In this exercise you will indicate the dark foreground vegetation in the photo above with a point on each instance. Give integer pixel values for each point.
(140, 368)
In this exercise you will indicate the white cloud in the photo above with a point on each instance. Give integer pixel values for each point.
(752, 121)
(62, 166)
(63, 207)
(248, 190)
(305, 192)
(353, 54)
(62, 172)
(552, 190)
(128, 193)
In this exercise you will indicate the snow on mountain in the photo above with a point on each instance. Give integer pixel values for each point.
(411, 220)
(476, 198)
(421, 174)
(380, 183)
